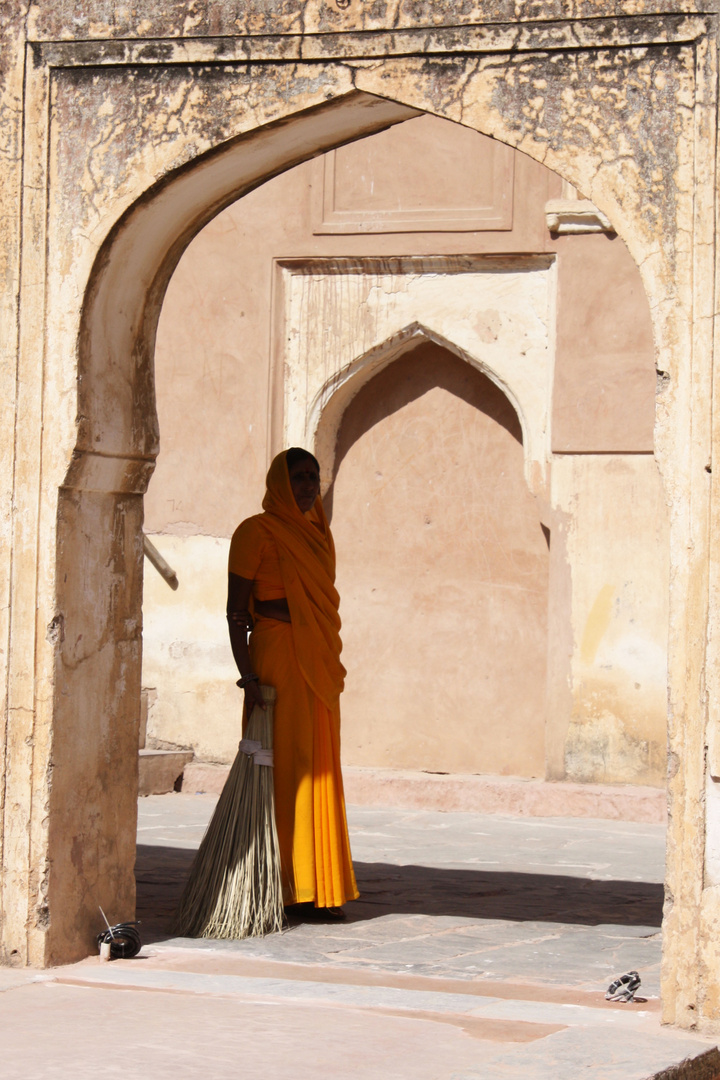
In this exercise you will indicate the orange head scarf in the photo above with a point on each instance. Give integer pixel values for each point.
(307, 563)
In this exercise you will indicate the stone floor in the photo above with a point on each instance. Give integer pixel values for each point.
(481, 947)
(455, 895)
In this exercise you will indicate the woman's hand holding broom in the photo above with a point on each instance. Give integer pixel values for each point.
(253, 694)
(239, 625)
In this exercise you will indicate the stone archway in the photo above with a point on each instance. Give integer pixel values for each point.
(104, 231)
(100, 505)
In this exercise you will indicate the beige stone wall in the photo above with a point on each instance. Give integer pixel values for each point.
(617, 549)
(289, 322)
(188, 670)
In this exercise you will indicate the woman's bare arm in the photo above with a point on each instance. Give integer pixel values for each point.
(239, 623)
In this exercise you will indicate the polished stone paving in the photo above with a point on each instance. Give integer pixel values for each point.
(454, 895)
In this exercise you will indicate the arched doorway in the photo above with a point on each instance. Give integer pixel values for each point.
(112, 455)
(102, 339)
(536, 420)
(443, 573)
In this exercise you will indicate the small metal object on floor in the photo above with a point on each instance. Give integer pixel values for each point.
(624, 988)
(120, 942)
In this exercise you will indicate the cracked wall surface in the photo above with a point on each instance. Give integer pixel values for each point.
(618, 98)
(103, 19)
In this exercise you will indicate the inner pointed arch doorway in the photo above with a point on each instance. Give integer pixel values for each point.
(443, 570)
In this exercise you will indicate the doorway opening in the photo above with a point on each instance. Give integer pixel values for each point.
(594, 436)
(278, 328)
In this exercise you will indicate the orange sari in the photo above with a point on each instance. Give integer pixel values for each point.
(288, 553)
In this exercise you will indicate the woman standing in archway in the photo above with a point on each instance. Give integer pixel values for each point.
(281, 587)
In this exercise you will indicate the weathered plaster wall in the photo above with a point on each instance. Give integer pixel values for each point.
(23, 793)
(188, 669)
(101, 19)
(603, 386)
(624, 108)
(261, 299)
(617, 551)
(91, 822)
(218, 335)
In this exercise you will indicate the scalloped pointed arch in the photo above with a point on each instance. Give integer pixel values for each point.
(328, 406)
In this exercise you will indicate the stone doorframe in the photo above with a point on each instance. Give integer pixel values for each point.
(123, 150)
(312, 382)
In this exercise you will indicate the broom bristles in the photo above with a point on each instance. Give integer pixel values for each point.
(235, 885)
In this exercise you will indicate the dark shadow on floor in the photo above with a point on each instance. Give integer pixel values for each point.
(161, 873)
(488, 894)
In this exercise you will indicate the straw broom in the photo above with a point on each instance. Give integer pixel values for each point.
(235, 886)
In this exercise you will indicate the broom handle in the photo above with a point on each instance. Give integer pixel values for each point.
(262, 721)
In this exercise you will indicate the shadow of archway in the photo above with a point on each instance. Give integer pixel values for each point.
(387, 889)
(504, 895)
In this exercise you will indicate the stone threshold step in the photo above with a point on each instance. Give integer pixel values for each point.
(568, 1046)
(514, 1023)
(161, 771)
(227, 958)
(498, 1019)
(470, 793)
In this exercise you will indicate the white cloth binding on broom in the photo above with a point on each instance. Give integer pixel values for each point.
(250, 746)
(263, 757)
(254, 749)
